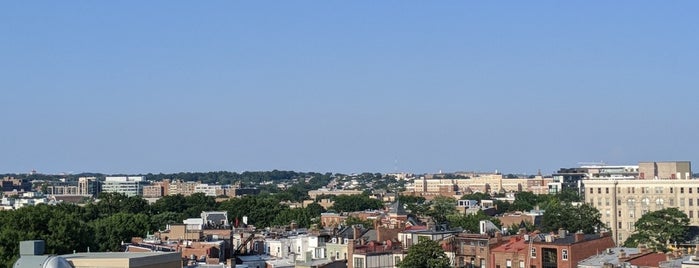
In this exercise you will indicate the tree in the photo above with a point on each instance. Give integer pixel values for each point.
(350, 203)
(659, 228)
(476, 196)
(425, 254)
(471, 222)
(585, 218)
(441, 207)
(524, 201)
(117, 228)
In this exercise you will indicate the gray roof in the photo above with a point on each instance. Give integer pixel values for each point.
(604, 257)
(397, 208)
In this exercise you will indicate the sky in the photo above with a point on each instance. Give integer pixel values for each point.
(345, 86)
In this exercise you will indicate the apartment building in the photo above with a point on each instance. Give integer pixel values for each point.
(622, 202)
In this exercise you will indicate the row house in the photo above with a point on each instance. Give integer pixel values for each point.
(560, 250)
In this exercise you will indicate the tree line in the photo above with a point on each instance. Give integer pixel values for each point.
(116, 218)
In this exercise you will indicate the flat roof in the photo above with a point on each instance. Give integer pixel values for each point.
(118, 255)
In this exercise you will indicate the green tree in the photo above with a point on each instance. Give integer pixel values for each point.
(425, 254)
(525, 201)
(261, 210)
(568, 195)
(585, 218)
(441, 207)
(352, 220)
(117, 228)
(350, 203)
(476, 196)
(659, 228)
(470, 222)
(197, 203)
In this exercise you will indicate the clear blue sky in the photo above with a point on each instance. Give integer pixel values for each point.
(345, 86)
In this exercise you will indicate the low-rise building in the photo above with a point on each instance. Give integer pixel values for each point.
(560, 250)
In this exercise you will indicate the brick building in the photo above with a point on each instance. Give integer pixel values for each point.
(560, 250)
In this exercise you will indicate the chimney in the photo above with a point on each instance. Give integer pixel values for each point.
(561, 233)
(498, 236)
(622, 254)
(579, 237)
(356, 232)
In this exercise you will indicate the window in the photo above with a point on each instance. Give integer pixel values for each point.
(337, 255)
(599, 190)
(619, 213)
(508, 264)
(682, 202)
(358, 262)
(618, 202)
(632, 213)
(564, 254)
(658, 190)
(397, 260)
(691, 201)
(672, 201)
(691, 214)
(672, 190)
(646, 201)
(681, 190)
(592, 190)
(521, 264)
(690, 189)
(619, 224)
(592, 201)
(606, 201)
(606, 190)
(533, 253)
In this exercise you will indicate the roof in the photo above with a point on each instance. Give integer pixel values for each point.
(651, 259)
(569, 239)
(118, 255)
(397, 208)
(516, 244)
(602, 258)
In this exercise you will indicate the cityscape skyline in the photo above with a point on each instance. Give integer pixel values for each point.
(163, 87)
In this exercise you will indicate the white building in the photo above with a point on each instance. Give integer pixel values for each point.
(208, 190)
(127, 185)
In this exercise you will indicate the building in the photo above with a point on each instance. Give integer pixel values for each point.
(672, 170)
(185, 188)
(32, 255)
(622, 202)
(325, 191)
(471, 250)
(153, 191)
(10, 184)
(560, 250)
(89, 186)
(127, 185)
(208, 190)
